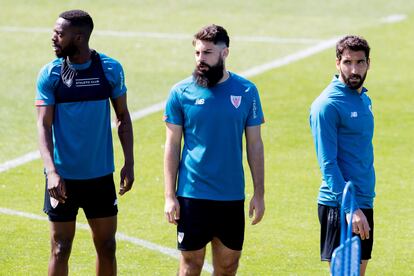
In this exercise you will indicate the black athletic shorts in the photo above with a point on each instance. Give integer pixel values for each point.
(201, 220)
(330, 220)
(96, 196)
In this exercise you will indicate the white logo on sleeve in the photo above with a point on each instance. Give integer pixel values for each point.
(180, 237)
(199, 102)
(354, 114)
(235, 100)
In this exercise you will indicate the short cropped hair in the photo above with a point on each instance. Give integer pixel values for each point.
(79, 19)
(353, 43)
(212, 33)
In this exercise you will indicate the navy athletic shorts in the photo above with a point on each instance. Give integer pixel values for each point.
(330, 220)
(96, 196)
(201, 220)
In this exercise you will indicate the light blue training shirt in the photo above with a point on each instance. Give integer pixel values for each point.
(342, 125)
(213, 121)
(81, 127)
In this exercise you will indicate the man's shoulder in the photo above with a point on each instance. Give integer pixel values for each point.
(328, 99)
(108, 61)
(52, 67)
(332, 93)
(247, 84)
(183, 85)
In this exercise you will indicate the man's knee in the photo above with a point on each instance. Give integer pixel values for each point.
(106, 247)
(61, 249)
(226, 267)
(191, 265)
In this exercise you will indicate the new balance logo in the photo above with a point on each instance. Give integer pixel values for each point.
(354, 114)
(199, 101)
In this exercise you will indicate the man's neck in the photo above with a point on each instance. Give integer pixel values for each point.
(226, 75)
(81, 57)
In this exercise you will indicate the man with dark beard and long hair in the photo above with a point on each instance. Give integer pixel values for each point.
(75, 141)
(342, 126)
(212, 109)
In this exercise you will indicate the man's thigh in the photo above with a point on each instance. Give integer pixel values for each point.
(103, 229)
(194, 229)
(98, 197)
(224, 256)
(229, 224)
(202, 220)
(330, 221)
(62, 234)
(367, 244)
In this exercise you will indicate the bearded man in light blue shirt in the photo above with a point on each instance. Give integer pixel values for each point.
(342, 125)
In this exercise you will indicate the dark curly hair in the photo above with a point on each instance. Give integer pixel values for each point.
(353, 43)
(212, 33)
(79, 19)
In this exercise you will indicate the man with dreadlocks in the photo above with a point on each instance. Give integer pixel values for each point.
(75, 141)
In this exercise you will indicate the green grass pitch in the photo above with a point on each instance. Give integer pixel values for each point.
(286, 242)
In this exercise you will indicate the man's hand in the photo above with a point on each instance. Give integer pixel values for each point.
(56, 188)
(359, 224)
(257, 207)
(172, 209)
(127, 179)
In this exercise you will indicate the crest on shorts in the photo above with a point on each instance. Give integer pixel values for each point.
(235, 100)
(180, 236)
(54, 202)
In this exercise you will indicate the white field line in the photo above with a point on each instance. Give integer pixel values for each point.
(290, 58)
(166, 36)
(393, 18)
(321, 46)
(174, 253)
(19, 161)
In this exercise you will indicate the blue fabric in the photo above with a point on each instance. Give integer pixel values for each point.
(213, 121)
(81, 130)
(342, 125)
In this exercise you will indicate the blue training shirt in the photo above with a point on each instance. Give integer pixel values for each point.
(213, 121)
(81, 129)
(342, 125)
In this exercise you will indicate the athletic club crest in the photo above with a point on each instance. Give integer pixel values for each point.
(180, 236)
(235, 100)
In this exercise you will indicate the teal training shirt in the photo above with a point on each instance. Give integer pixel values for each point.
(81, 127)
(213, 121)
(342, 125)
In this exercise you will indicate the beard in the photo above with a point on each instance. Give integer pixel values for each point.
(211, 76)
(68, 51)
(354, 81)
